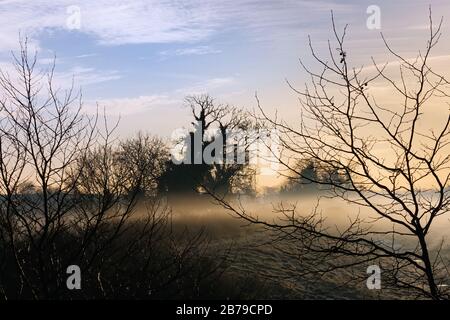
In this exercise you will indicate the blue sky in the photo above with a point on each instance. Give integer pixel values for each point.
(138, 59)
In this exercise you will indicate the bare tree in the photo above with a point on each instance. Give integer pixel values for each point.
(214, 124)
(235, 128)
(395, 165)
(67, 197)
(144, 158)
(115, 223)
(232, 127)
(204, 110)
(42, 136)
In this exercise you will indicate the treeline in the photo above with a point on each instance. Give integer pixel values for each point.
(145, 163)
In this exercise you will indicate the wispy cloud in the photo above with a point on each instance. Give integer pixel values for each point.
(88, 55)
(129, 105)
(207, 86)
(198, 50)
(82, 76)
(115, 22)
(50, 61)
(132, 105)
(110, 22)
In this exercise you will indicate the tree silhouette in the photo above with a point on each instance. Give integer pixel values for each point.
(143, 159)
(306, 179)
(70, 194)
(213, 123)
(394, 165)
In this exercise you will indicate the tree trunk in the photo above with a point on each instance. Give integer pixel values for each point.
(428, 267)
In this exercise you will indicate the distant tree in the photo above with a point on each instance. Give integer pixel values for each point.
(306, 176)
(213, 123)
(233, 125)
(182, 178)
(335, 176)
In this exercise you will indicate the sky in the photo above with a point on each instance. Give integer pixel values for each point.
(138, 59)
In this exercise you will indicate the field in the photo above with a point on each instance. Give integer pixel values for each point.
(257, 268)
